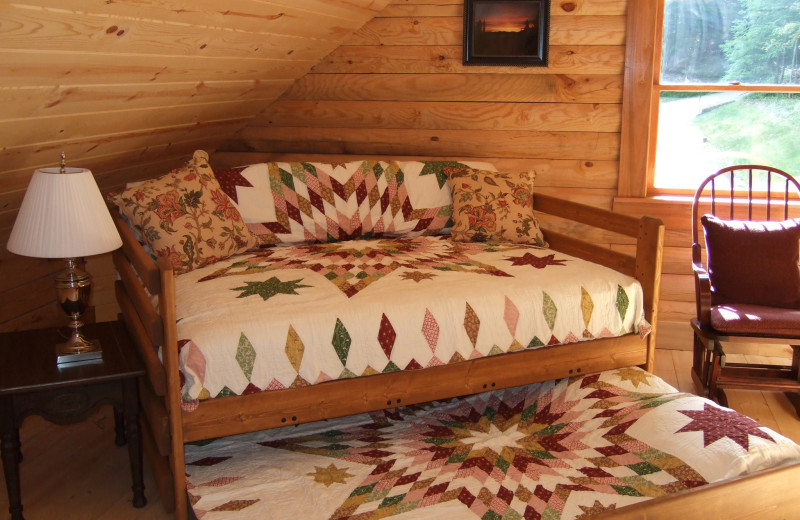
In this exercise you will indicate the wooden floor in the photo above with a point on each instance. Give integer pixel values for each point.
(76, 472)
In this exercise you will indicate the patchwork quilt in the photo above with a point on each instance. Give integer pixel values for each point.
(304, 202)
(305, 314)
(300, 315)
(565, 449)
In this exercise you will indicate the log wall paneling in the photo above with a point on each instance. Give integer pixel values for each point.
(397, 87)
(130, 89)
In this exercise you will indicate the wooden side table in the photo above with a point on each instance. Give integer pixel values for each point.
(31, 383)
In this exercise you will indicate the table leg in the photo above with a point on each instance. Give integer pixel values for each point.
(11, 456)
(119, 426)
(133, 434)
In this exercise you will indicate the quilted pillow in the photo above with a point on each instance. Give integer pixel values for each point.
(429, 199)
(493, 207)
(753, 262)
(185, 216)
(303, 202)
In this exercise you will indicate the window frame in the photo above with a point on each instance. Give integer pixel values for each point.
(642, 89)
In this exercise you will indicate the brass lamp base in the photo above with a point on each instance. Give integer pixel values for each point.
(73, 287)
(78, 349)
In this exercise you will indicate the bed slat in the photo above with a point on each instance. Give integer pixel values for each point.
(236, 414)
(139, 299)
(155, 370)
(139, 259)
(157, 418)
(159, 466)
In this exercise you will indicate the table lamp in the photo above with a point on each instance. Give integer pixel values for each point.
(63, 215)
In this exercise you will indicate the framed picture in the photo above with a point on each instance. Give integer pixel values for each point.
(506, 32)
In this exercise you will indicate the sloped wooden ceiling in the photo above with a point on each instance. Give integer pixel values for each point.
(128, 88)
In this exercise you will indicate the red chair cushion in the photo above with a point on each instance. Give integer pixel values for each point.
(753, 262)
(755, 320)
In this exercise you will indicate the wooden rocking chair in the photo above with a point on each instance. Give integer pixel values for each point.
(749, 289)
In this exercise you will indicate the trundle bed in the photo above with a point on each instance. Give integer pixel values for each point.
(287, 334)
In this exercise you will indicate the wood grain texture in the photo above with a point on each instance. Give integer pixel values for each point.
(54, 102)
(116, 85)
(86, 31)
(639, 70)
(315, 19)
(30, 156)
(83, 125)
(568, 117)
(429, 59)
(28, 69)
(557, 7)
(261, 410)
(472, 86)
(435, 30)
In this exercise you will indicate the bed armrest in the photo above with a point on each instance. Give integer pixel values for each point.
(702, 288)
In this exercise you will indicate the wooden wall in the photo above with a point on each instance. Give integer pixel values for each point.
(397, 87)
(129, 89)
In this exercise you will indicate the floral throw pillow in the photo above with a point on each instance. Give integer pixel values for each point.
(186, 217)
(493, 207)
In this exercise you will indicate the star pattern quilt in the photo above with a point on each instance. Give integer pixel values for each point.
(565, 449)
(300, 315)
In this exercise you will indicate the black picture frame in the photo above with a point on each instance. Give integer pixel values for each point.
(506, 32)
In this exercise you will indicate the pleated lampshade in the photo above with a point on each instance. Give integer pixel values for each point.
(63, 215)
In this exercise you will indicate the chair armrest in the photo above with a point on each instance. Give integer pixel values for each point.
(702, 289)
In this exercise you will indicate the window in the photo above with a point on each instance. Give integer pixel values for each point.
(725, 89)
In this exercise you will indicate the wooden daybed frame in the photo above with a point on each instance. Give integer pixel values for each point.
(167, 427)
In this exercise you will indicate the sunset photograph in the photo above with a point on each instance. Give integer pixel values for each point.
(510, 17)
(506, 29)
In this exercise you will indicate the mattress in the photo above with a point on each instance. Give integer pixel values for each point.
(293, 316)
(564, 449)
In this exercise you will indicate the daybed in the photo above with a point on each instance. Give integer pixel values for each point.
(270, 324)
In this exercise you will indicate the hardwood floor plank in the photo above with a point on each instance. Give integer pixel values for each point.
(682, 359)
(665, 368)
(785, 415)
(76, 472)
(752, 404)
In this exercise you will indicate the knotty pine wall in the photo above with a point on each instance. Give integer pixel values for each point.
(398, 87)
(129, 88)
